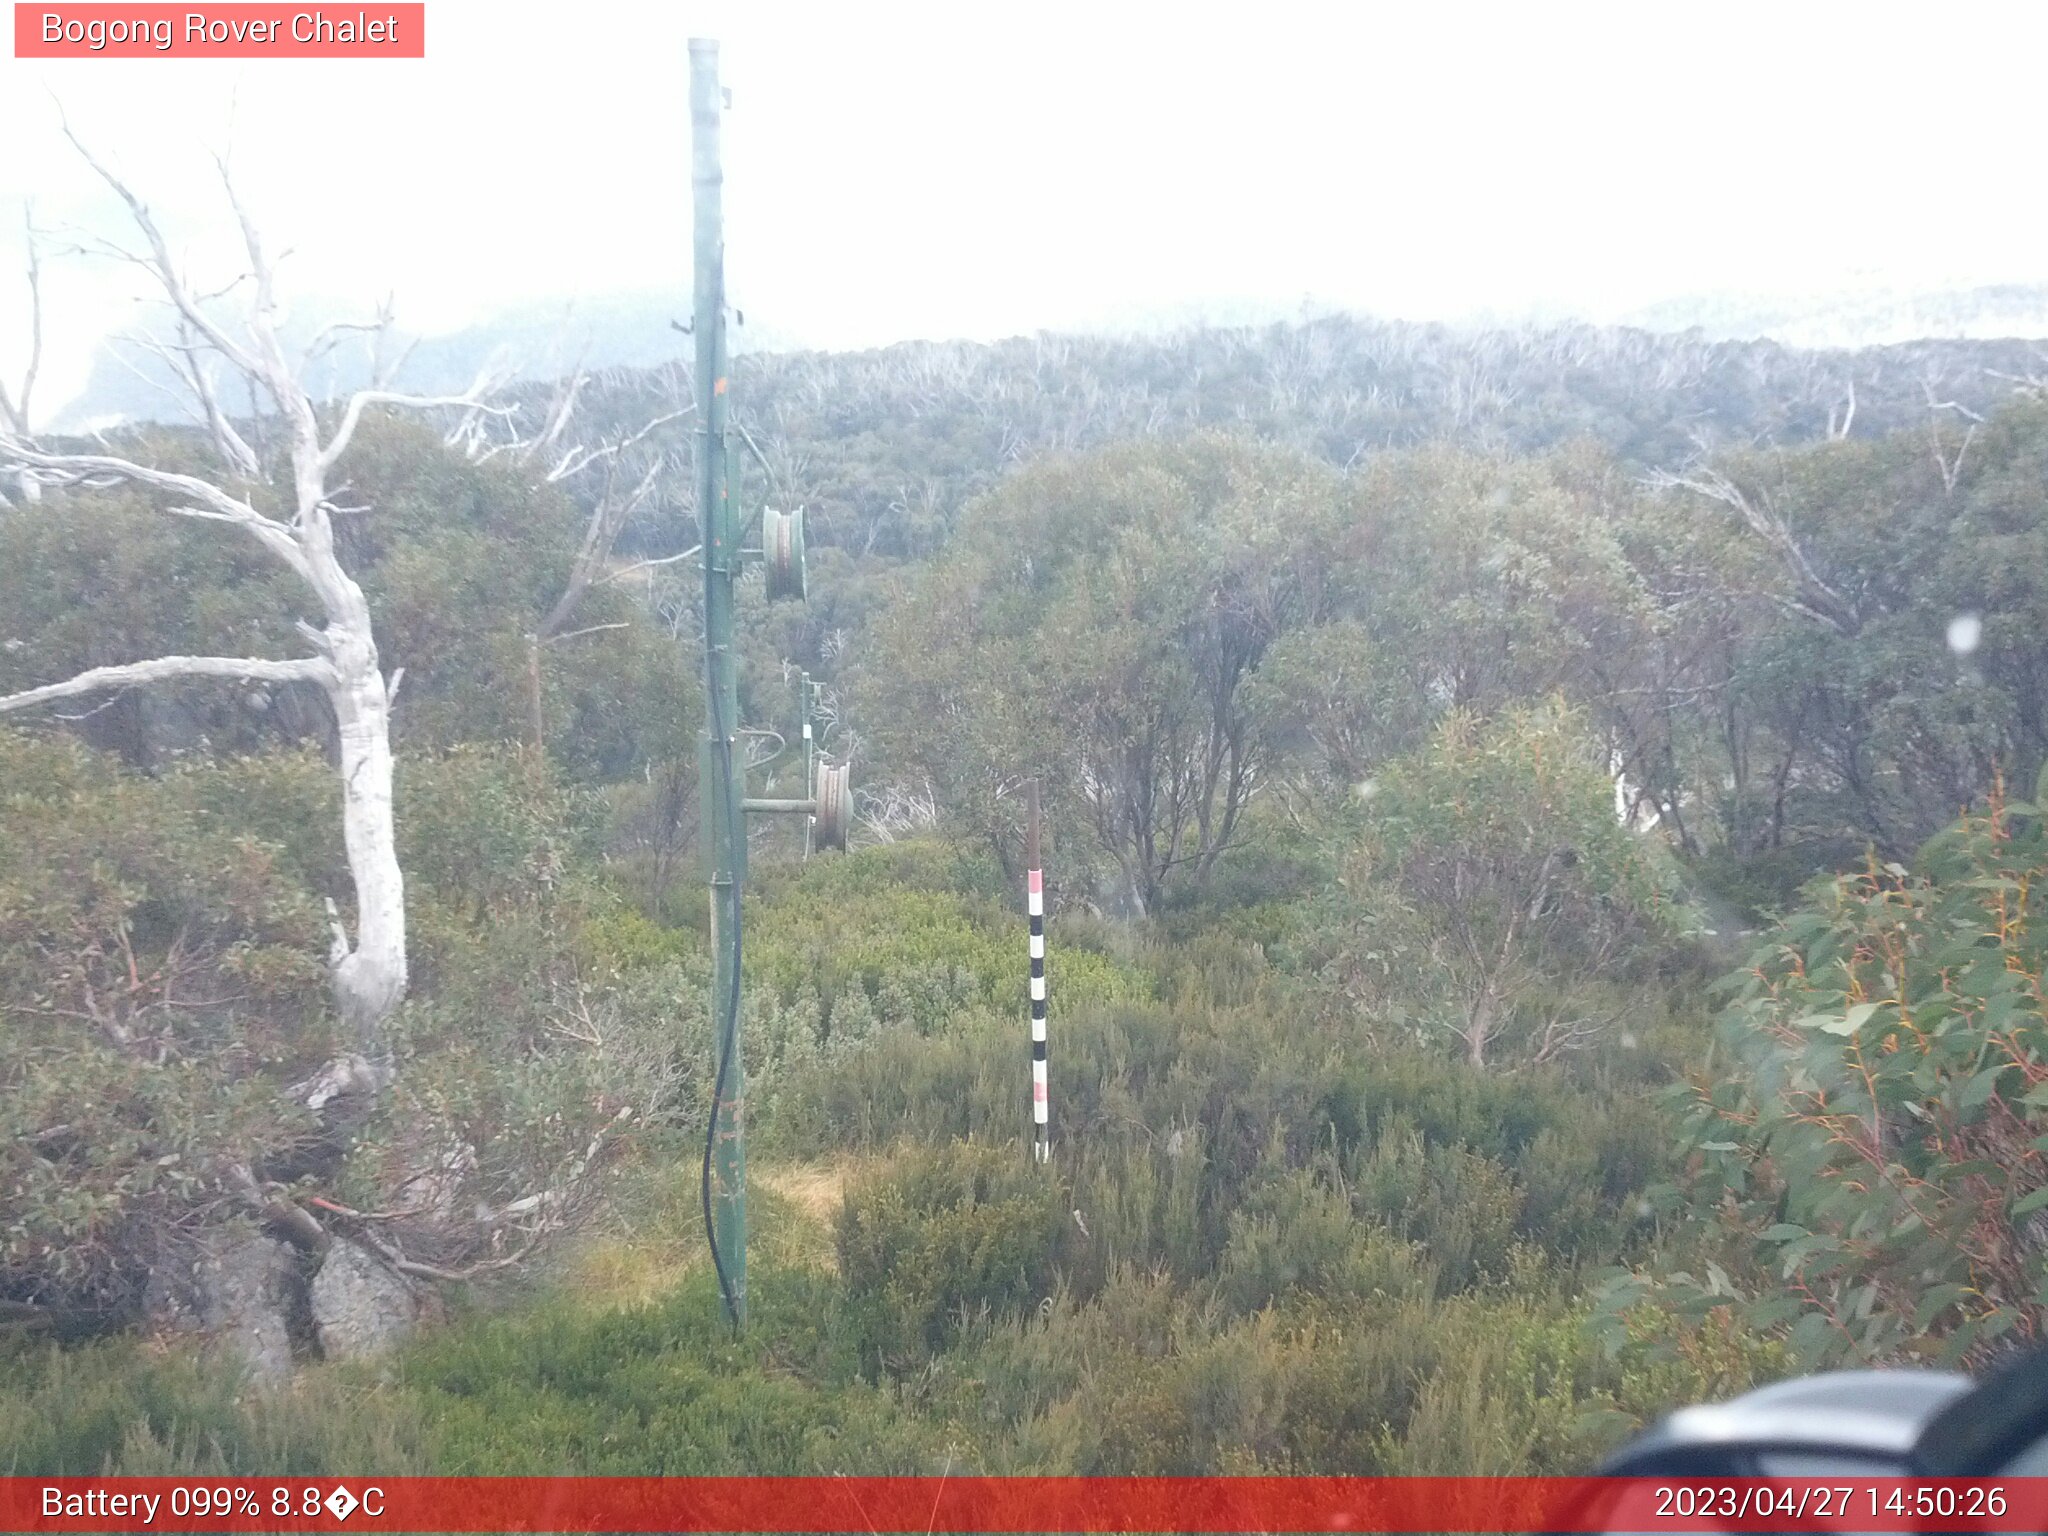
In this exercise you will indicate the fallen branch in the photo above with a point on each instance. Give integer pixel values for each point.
(395, 1257)
(351, 1214)
(298, 1223)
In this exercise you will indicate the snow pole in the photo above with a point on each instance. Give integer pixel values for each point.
(1034, 904)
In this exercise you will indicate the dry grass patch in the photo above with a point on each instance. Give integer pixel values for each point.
(816, 1189)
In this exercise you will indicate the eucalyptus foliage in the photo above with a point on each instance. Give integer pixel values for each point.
(1870, 1134)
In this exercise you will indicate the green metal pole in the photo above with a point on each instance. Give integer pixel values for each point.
(804, 697)
(724, 828)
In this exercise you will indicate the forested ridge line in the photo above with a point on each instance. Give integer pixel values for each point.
(885, 445)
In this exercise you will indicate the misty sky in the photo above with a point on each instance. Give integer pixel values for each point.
(986, 169)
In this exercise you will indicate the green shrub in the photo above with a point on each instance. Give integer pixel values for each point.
(161, 975)
(1458, 1205)
(123, 1407)
(942, 1241)
(1296, 1233)
(1869, 1143)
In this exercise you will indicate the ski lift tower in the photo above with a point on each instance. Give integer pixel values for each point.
(723, 800)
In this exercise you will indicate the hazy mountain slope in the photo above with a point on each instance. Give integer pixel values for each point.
(883, 446)
(621, 330)
(1857, 317)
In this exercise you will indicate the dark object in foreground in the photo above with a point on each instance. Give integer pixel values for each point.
(1858, 1423)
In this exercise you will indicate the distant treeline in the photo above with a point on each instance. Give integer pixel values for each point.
(884, 446)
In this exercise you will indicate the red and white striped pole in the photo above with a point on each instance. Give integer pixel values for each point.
(1034, 899)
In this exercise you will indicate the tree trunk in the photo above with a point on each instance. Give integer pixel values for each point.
(369, 977)
(536, 708)
(1479, 1029)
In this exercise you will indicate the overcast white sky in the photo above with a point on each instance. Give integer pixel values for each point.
(898, 170)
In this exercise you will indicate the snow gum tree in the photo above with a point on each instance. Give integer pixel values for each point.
(284, 502)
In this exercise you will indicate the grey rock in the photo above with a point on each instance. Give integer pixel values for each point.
(245, 1287)
(360, 1308)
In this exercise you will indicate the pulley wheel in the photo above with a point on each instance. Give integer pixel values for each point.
(782, 550)
(835, 806)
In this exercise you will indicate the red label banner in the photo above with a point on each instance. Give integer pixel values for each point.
(238, 31)
(928, 1505)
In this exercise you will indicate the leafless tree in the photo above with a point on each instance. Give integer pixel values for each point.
(14, 408)
(629, 479)
(1841, 417)
(1812, 596)
(290, 515)
(891, 811)
(1951, 468)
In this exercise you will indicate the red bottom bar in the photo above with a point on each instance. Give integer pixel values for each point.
(1021, 1504)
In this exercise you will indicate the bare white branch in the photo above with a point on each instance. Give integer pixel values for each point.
(161, 265)
(647, 565)
(103, 469)
(1839, 429)
(385, 369)
(1927, 386)
(14, 411)
(1951, 469)
(329, 336)
(599, 534)
(2034, 384)
(193, 368)
(577, 634)
(308, 669)
(891, 811)
(472, 398)
(1815, 597)
(564, 407)
(579, 459)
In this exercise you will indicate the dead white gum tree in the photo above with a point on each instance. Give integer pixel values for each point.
(630, 474)
(287, 512)
(15, 404)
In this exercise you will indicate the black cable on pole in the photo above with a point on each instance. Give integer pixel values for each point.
(728, 1037)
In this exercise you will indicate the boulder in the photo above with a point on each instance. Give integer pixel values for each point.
(245, 1288)
(360, 1308)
